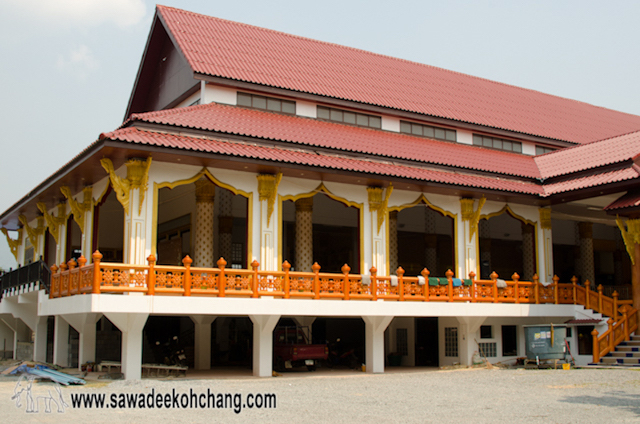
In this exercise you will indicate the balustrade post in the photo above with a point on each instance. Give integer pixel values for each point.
(151, 276)
(574, 284)
(186, 277)
(63, 270)
(515, 277)
(625, 324)
(346, 287)
(400, 274)
(472, 276)
(72, 264)
(222, 279)
(97, 275)
(611, 335)
(596, 346)
(449, 275)
(82, 261)
(587, 291)
(52, 287)
(494, 280)
(615, 305)
(254, 279)
(286, 266)
(536, 288)
(556, 281)
(599, 298)
(425, 273)
(374, 283)
(316, 280)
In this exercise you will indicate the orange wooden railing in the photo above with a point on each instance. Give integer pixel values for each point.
(617, 332)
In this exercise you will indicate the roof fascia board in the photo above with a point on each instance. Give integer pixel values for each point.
(283, 92)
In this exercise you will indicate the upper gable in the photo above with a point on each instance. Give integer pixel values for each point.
(164, 78)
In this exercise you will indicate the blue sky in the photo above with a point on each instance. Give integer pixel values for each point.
(68, 66)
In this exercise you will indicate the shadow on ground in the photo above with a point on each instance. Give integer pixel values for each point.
(619, 400)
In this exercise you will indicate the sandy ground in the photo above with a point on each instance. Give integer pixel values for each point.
(342, 396)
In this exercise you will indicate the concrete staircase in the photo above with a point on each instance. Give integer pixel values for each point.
(627, 354)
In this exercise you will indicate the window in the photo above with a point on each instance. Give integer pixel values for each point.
(509, 340)
(451, 341)
(266, 103)
(487, 350)
(542, 150)
(349, 117)
(427, 131)
(497, 143)
(486, 332)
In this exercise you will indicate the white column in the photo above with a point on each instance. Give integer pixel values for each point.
(469, 327)
(269, 221)
(263, 326)
(468, 237)
(202, 340)
(85, 325)
(131, 326)
(378, 199)
(61, 245)
(374, 342)
(545, 246)
(61, 342)
(40, 340)
(87, 235)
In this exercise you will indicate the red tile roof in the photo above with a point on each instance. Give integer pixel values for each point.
(236, 51)
(629, 200)
(286, 156)
(592, 155)
(601, 179)
(340, 137)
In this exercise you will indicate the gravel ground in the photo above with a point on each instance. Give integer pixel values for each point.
(411, 396)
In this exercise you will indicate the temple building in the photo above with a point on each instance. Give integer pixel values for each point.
(262, 179)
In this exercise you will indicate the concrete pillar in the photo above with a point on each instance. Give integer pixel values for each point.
(85, 325)
(374, 342)
(431, 240)
(304, 234)
(468, 329)
(202, 341)
(545, 246)
(269, 223)
(40, 339)
(393, 242)
(61, 342)
(203, 253)
(467, 240)
(585, 261)
(224, 199)
(131, 326)
(528, 259)
(263, 326)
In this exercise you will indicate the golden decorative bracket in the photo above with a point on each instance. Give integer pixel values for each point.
(33, 233)
(268, 190)
(468, 214)
(53, 222)
(545, 218)
(13, 244)
(378, 204)
(137, 177)
(630, 235)
(78, 209)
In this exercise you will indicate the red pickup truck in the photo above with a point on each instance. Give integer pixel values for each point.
(292, 348)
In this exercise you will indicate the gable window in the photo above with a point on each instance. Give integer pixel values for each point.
(349, 117)
(266, 103)
(542, 150)
(497, 143)
(427, 131)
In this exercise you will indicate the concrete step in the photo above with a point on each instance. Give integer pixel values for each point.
(622, 354)
(620, 361)
(622, 348)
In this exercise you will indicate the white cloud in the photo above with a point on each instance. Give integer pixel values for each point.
(79, 62)
(84, 12)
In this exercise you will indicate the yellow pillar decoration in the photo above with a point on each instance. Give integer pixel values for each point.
(137, 177)
(33, 233)
(630, 235)
(13, 244)
(468, 214)
(53, 222)
(268, 190)
(378, 204)
(78, 209)
(545, 218)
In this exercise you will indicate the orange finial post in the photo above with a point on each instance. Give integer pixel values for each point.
(97, 275)
(254, 279)
(82, 261)
(53, 284)
(186, 277)
(494, 279)
(346, 286)
(374, 283)
(612, 345)
(316, 280)
(596, 347)
(449, 275)
(574, 284)
(625, 323)
(400, 274)
(72, 264)
(425, 273)
(556, 280)
(286, 266)
(472, 276)
(516, 289)
(599, 298)
(151, 277)
(222, 279)
(615, 305)
(587, 292)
